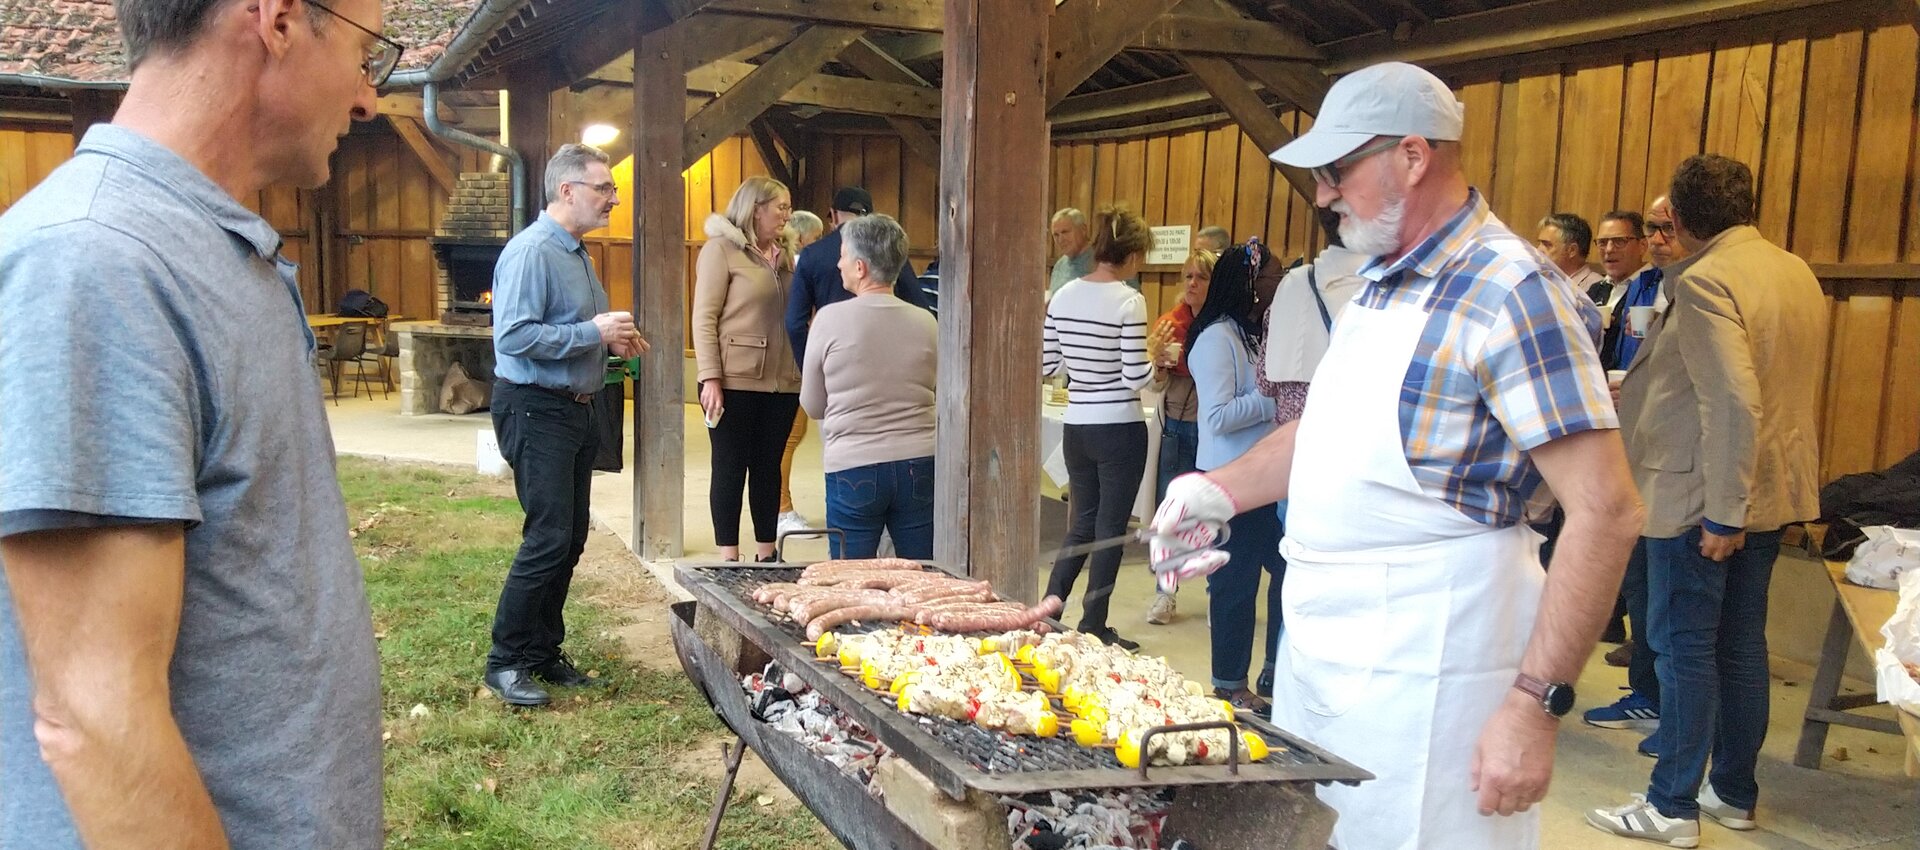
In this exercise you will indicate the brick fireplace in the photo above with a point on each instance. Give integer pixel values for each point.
(476, 227)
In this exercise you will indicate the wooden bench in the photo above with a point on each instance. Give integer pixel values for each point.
(1858, 614)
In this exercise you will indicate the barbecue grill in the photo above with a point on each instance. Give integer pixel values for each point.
(724, 633)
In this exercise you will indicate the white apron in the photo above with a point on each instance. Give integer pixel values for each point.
(1405, 619)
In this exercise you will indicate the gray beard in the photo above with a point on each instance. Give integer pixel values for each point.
(1376, 237)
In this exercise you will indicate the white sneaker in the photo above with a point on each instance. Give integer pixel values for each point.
(1162, 610)
(1639, 819)
(792, 521)
(1712, 806)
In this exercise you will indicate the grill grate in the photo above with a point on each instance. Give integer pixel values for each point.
(987, 750)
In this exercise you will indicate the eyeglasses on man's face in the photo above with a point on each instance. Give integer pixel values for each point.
(607, 188)
(1662, 229)
(1330, 173)
(1611, 242)
(382, 56)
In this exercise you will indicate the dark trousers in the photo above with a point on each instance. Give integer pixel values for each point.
(549, 441)
(896, 496)
(1633, 589)
(1710, 629)
(1179, 445)
(747, 446)
(1104, 466)
(1253, 545)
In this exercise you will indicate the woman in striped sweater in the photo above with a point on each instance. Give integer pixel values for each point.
(1096, 334)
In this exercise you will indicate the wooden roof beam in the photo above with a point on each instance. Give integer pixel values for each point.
(840, 94)
(1083, 35)
(1296, 82)
(1542, 25)
(708, 38)
(878, 65)
(409, 131)
(1250, 112)
(745, 100)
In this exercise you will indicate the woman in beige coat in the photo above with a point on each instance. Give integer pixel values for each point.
(749, 382)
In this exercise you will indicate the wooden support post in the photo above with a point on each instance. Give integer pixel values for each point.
(659, 293)
(529, 127)
(90, 107)
(729, 113)
(1250, 112)
(992, 264)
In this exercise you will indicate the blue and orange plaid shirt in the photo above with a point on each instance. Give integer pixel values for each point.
(1508, 361)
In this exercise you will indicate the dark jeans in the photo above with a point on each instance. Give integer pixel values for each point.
(1633, 588)
(1710, 628)
(550, 443)
(1179, 444)
(747, 446)
(896, 496)
(1253, 544)
(1104, 465)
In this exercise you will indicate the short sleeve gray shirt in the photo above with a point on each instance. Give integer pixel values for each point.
(155, 368)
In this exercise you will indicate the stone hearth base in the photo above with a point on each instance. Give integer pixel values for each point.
(427, 350)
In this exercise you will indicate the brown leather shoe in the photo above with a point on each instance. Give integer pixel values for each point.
(1620, 656)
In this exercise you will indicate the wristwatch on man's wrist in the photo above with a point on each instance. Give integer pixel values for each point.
(1556, 698)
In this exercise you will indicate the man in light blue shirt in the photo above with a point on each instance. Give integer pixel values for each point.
(551, 335)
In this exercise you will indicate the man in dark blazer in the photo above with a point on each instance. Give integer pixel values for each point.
(816, 273)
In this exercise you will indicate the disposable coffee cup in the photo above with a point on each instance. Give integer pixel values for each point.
(1615, 377)
(1638, 320)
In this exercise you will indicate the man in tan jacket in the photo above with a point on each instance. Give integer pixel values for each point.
(1719, 419)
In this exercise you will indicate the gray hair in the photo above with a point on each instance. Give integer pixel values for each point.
(1072, 214)
(877, 240)
(167, 25)
(1218, 235)
(1572, 229)
(806, 224)
(569, 164)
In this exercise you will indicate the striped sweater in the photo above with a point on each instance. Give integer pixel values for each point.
(1096, 333)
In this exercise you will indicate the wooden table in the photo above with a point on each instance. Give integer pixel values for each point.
(1858, 614)
(322, 321)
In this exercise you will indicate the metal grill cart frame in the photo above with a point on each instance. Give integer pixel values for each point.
(942, 790)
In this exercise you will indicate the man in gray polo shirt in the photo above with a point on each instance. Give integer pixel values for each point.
(186, 654)
(551, 334)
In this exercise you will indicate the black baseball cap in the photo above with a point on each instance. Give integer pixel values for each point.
(853, 199)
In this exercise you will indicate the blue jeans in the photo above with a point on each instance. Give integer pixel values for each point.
(1179, 445)
(897, 496)
(1253, 544)
(1633, 586)
(1709, 626)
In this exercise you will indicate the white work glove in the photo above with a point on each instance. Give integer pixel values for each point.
(1188, 524)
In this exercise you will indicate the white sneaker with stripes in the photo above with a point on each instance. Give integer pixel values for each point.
(1639, 819)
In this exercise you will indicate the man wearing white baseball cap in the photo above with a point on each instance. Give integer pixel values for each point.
(1423, 641)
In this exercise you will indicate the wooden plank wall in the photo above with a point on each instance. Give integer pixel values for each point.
(26, 156)
(387, 207)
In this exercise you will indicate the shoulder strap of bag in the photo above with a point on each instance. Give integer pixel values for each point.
(1313, 284)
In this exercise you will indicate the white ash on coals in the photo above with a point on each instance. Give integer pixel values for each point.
(784, 702)
(1090, 820)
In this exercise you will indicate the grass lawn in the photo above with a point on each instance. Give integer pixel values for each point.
(606, 768)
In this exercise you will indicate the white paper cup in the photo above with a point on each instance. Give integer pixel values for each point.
(1638, 320)
(1615, 377)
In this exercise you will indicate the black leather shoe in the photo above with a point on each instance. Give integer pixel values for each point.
(1264, 685)
(560, 671)
(515, 687)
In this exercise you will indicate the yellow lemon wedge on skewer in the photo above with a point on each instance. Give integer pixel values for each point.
(1048, 725)
(1253, 745)
(1087, 733)
(824, 647)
